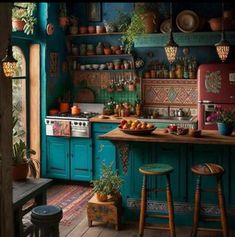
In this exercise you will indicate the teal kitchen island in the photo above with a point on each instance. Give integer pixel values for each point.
(181, 152)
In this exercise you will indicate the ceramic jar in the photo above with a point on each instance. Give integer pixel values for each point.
(91, 29)
(100, 29)
(83, 49)
(99, 49)
(83, 29)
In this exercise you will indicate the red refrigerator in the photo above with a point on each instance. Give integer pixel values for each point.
(216, 87)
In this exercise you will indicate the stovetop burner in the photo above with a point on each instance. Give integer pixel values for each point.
(81, 116)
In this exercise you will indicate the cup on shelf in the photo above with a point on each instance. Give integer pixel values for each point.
(83, 29)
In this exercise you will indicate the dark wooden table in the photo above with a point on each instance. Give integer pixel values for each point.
(23, 192)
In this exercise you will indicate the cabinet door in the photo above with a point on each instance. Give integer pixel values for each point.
(57, 159)
(104, 151)
(81, 159)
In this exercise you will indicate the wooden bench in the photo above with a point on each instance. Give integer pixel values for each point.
(108, 212)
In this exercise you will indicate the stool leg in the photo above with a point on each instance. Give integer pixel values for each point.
(222, 206)
(142, 207)
(196, 207)
(170, 207)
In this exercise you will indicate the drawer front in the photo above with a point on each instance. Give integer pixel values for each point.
(103, 127)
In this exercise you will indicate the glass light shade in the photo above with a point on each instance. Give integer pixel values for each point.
(9, 68)
(222, 49)
(171, 49)
(9, 63)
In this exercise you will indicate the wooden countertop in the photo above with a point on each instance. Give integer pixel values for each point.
(110, 119)
(158, 135)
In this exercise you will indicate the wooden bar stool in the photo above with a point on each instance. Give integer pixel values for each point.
(209, 169)
(46, 220)
(158, 170)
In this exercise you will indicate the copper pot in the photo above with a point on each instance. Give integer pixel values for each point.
(215, 24)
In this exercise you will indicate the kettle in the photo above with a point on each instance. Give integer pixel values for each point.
(180, 113)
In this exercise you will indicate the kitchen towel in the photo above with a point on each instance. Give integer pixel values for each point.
(62, 128)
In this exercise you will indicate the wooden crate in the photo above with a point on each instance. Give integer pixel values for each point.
(108, 212)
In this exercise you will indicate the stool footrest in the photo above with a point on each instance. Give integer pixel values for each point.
(155, 227)
(210, 190)
(158, 216)
(156, 190)
(204, 218)
(209, 229)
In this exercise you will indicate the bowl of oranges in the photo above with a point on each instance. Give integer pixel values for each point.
(136, 127)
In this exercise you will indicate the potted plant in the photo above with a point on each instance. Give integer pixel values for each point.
(63, 18)
(23, 18)
(225, 120)
(22, 162)
(109, 184)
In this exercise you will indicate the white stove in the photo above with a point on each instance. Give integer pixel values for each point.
(79, 124)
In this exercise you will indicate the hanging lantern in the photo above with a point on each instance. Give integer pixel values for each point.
(9, 63)
(223, 46)
(171, 47)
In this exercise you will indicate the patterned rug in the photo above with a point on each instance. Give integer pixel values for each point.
(71, 198)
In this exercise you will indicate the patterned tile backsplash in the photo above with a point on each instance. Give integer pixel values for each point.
(164, 97)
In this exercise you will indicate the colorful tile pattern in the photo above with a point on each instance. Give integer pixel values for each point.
(169, 92)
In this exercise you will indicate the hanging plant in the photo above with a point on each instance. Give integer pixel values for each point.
(135, 29)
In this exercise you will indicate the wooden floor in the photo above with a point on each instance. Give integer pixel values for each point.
(128, 230)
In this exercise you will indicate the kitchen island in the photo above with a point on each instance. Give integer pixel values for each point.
(181, 152)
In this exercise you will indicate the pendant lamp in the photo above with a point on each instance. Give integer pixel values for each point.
(223, 46)
(9, 63)
(171, 47)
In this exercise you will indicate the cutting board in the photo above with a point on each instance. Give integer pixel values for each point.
(86, 95)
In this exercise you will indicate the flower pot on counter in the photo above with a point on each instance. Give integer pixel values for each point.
(19, 172)
(225, 129)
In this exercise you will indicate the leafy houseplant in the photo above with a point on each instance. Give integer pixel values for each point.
(23, 12)
(135, 28)
(21, 156)
(108, 184)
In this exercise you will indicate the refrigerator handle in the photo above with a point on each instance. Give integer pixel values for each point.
(205, 102)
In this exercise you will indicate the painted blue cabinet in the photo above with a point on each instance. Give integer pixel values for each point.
(57, 158)
(81, 159)
(68, 158)
(103, 151)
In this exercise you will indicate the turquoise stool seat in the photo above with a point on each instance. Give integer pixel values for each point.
(46, 220)
(156, 169)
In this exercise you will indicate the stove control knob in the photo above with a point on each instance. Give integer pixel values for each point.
(80, 124)
(84, 124)
(75, 123)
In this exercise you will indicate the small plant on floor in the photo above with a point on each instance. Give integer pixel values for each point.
(108, 184)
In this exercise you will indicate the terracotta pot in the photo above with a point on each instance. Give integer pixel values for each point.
(19, 172)
(64, 107)
(18, 25)
(63, 21)
(101, 197)
(91, 29)
(228, 14)
(107, 51)
(83, 29)
(151, 22)
(215, 24)
(100, 29)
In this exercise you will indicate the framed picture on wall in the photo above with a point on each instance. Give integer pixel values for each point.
(94, 11)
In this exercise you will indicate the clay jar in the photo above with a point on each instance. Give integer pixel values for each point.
(91, 29)
(100, 29)
(73, 30)
(83, 29)
(215, 24)
(107, 51)
(75, 110)
(114, 48)
(99, 49)
(64, 107)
